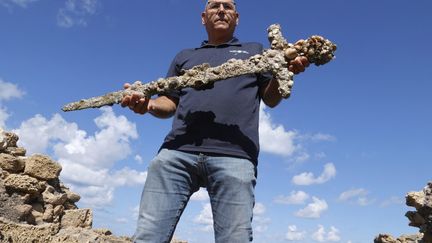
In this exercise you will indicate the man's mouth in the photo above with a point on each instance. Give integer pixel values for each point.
(221, 20)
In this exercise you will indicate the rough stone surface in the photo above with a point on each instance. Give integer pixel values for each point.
(11, 163)
(42, 167)
(23, 183)
(7, 139)
(421, 218)
(77, 218)
(18, 151)
(35, 207)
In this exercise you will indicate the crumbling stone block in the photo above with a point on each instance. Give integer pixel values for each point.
(42, 167)
(77, 218)
(23, 183)
(11, 163)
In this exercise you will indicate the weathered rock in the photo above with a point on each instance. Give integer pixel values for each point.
(37, 214)
(82, 218)
(11, 163)
(15, 151)
(75, 235)
(35, 207)
(57, 213)
(72, 197)
(8, 206)
(3, 174)
(3, 142)
(23, 233)
(23, 211)
(48, 215)
(23, 183)
(7, 139)
(52, 197)
(422, 218)
(42, 167)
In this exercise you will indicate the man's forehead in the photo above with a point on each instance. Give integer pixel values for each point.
(231, 1)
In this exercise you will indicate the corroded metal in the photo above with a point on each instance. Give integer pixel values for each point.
(274, 60)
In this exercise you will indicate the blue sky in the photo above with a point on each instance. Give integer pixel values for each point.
(337, 157)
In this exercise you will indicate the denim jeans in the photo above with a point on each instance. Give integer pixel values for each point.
(173, 176)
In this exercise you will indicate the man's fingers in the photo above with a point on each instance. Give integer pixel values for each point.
(135, 99)
(142, 106)
(125, 101)
(298, 65)
(304, 61)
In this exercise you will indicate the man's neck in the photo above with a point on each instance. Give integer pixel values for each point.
(217, 40)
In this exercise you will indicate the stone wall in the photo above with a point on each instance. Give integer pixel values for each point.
(421, 218)
(35, 206)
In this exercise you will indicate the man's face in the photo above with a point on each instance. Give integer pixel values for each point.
(220, 15)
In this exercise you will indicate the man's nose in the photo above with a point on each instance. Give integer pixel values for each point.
(221, 7)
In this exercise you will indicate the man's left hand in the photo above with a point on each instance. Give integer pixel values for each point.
(298, 65)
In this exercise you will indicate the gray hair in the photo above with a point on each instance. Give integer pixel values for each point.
(233, 1)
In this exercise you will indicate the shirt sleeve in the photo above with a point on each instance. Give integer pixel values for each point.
(174, 70)
(263, 78)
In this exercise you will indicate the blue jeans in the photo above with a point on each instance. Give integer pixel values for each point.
(173, 176)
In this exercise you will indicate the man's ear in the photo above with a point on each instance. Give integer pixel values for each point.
(238, 18)
(203, 18)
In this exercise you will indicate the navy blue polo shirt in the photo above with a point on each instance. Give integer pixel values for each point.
(222, 120)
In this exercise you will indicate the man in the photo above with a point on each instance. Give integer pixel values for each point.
(214, 138)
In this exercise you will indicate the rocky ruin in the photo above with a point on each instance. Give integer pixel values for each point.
(35, 206)
(421, 218)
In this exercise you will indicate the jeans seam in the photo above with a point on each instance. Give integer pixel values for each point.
(179, 211)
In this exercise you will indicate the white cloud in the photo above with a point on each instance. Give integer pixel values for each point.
(76, 12)
(86, 160)
(200, 195)
(135, 211)
(346, 195)
(308, 178)
(322, 236)
(8, 91)
(295, 197)
(259, 209)
(320, 155)
(322, 137)
(20, 3)
(205, 218)
(392, 200)
(260, 222)
(357, 195)
(138, 159)
(122, 220)
(294, 234)
(3, 117)
(38, 133)
(274, 138)
(314, 209)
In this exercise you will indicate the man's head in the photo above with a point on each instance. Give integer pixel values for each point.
(220, 18)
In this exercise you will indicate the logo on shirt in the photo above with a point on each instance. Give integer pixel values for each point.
(236, 52)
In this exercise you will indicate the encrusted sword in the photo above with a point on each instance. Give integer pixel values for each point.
(274, 60)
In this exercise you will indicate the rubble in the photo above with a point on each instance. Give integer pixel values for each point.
(35, 206)
(421, 218)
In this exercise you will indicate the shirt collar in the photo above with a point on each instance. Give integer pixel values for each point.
(233, 42)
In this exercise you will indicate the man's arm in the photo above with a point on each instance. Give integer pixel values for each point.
(160, 107)
(270, 94)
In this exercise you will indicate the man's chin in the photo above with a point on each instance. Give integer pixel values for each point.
(221, 26)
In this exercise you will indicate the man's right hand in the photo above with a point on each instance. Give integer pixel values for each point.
(135, 102)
